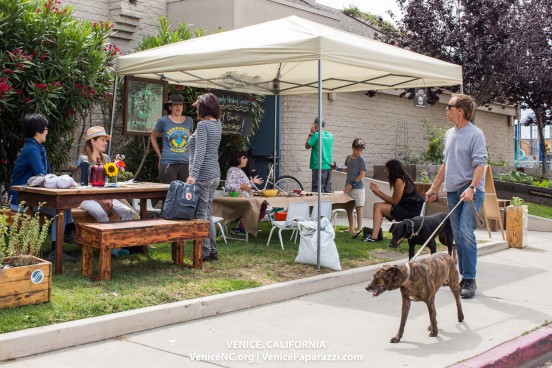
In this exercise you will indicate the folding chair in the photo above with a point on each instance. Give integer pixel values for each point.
(297, 211)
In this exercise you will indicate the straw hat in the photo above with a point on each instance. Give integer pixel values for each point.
(174, 99)
(96, 131)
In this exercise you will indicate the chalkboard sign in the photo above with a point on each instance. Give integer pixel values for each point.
(236, 115)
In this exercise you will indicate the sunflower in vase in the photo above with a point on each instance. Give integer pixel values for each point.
(113, 169)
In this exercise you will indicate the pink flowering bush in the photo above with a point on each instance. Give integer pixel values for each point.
(52, 64)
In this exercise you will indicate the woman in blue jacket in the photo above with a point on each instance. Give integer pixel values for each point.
(32, 160)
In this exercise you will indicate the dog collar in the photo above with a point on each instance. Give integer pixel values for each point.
(407, 274)
(415, 233)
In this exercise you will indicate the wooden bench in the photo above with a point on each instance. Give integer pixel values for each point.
(107, 236)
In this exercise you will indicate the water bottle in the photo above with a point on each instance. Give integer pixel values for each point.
(83, 167)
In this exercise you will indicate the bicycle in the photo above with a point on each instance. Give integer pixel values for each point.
(285, 183)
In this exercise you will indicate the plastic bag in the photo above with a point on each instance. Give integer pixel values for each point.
(329, 257)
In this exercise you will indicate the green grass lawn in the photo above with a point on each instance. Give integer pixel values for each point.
(540, 210)
(141, 280)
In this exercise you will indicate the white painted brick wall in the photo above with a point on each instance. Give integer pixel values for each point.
(386, 122)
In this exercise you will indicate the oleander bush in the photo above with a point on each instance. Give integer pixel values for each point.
(52, 64)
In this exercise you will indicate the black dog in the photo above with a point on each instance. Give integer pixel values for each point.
(418, 229)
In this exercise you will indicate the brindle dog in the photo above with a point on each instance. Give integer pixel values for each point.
(419, 280)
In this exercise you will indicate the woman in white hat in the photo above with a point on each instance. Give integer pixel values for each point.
(95, 145)
(175, 130)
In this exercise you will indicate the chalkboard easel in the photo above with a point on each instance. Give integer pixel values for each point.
(490, 203)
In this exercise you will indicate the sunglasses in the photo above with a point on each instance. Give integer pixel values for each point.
(449, 106)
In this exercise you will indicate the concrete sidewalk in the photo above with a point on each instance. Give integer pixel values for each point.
(342, 326)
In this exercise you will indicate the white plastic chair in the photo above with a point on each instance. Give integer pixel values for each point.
(326, 211)
(149, 206)
(297, 211)
(340, 211)
(217, 220)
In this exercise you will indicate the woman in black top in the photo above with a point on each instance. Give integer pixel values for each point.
(404, 203)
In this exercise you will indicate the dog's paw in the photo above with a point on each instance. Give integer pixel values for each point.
(432, 332)
(460, 317)
(395, 340)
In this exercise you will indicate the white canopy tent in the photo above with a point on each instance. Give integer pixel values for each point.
(281, 58)
(289, 56)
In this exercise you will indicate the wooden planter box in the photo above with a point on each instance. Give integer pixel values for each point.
(530, 193)
(516, 226)
(25, 285)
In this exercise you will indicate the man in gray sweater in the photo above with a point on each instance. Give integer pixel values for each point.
(463, 172)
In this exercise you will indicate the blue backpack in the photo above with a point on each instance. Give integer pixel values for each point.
(181, 201)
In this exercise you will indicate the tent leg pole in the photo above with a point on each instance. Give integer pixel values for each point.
(275, 137)
(112, 115)
(319, 162)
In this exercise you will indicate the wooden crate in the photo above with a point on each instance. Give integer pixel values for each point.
(26, 285)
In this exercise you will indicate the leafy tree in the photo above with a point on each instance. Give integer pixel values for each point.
(530, 76)
(52, 64)
(474, 34)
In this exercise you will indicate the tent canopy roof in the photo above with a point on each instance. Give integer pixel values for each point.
(281, 57)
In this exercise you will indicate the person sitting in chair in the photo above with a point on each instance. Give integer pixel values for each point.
(237, 181)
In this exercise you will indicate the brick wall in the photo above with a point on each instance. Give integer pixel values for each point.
(389, 124)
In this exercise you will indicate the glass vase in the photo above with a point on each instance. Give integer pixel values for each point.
(111, 181)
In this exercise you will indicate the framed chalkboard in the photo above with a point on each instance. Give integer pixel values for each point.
(236, 115)
(143, 104)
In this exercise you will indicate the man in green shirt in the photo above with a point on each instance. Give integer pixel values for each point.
(327, 148)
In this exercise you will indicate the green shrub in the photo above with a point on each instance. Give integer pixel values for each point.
(52, 64)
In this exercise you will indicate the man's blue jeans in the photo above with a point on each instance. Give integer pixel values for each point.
(463, 225)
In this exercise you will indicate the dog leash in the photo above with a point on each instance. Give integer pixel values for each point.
(436, 230)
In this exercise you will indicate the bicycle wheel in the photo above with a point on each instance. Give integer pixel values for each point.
(288, 183)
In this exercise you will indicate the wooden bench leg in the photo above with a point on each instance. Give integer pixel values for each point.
(178, 252)
(105, 264)
(198, 250)
(87, 259)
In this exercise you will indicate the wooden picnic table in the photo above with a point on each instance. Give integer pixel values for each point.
(249, 208)
(62, 199)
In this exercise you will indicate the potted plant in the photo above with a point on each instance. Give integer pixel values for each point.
(517, 216)
(24, 278)
(424, 183)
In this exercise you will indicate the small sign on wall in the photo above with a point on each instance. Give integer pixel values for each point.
(420, 97)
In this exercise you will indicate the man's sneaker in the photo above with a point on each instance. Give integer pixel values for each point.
(237, 231)
(214, 256)
(468, 288)
(119, 252)
(368, 239)
(66, 257)
(70, 236)
(461, 284)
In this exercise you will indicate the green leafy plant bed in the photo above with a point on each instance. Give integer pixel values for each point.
(530, 193)
(142, 280)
